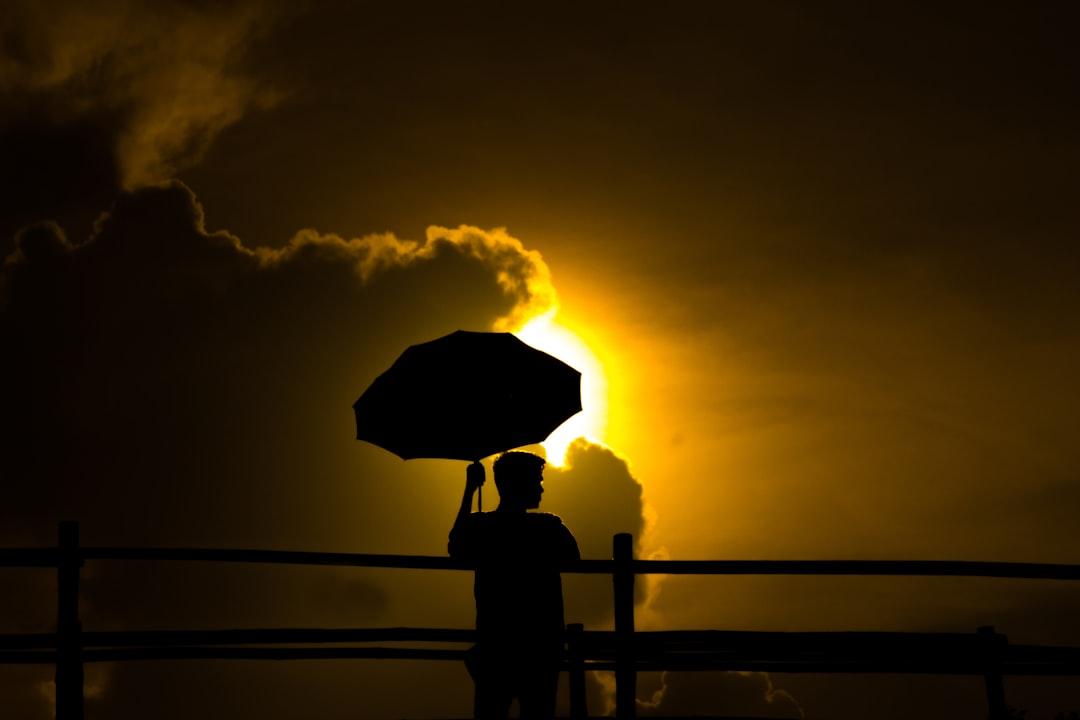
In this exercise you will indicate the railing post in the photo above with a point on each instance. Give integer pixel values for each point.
(69, 667)
(575, 656)
(993, 645)
(625, 673)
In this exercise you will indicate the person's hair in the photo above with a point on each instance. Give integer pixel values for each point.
(511, 467)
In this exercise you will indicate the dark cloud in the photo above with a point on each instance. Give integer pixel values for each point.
(718, 693)
(64, 171)
(171, 74)
(890, 696)
(179, 365)
(597, 496)
(120, 93)
(595, 481)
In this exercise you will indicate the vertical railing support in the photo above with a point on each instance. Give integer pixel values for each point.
(625, 674)
(69, 667)
(993, 646)
(575, 656)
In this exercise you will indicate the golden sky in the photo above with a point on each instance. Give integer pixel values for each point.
(817, 262)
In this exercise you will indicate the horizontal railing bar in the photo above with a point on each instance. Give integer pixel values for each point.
(757, 636)
(27, 657)
(824, 667)
(1041, 660)
(1026, 660)
(973, 666)
(43, 557)
(282, 557)
(1058, 669)
(593, 640)
(301, 557)
(1036, 653)
(784, 646)
(244, 636)
(253, 653)
(28, 557)
(248, 653)
(28, 641)
(255, 636)
(953, 568)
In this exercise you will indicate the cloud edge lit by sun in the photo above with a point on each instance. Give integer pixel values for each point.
(544, 333)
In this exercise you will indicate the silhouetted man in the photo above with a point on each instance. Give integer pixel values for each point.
(519, 604)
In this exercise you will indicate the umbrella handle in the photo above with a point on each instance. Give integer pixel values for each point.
(474, 480)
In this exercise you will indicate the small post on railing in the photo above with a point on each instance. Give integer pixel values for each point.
(992, 647)
(625, 674)
(69, 667)
(575, 657)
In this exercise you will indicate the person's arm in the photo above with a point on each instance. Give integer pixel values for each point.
(459, 546)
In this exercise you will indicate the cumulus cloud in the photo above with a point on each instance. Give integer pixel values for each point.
(596, 480)
(520, 273)
(170, 73)
(157, 349)
(597, 496)
(720, 693)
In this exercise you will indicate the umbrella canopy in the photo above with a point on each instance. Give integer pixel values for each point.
(466, 396)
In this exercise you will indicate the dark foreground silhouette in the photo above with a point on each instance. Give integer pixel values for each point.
(519, 605)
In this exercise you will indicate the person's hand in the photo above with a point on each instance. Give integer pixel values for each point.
(474, 477)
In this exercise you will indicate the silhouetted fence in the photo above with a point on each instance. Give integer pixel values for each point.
(625, 651)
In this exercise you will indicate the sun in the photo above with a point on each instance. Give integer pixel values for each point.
(543, 333)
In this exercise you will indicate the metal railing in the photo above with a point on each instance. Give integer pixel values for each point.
(625, 651)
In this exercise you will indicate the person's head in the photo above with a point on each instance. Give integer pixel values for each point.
(518, 478)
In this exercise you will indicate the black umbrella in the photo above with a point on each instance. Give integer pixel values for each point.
(466, 396)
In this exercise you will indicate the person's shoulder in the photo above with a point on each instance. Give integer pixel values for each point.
(474, 521)
(556, 535)
(546, 520)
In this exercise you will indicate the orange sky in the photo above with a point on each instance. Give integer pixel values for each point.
(825, 256)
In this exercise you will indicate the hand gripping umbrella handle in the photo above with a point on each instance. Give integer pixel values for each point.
(475, 480)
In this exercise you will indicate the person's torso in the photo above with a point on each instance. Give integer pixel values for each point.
(518, 587)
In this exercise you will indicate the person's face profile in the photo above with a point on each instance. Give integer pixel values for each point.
(535, 490)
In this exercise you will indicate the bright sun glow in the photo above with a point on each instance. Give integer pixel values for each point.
(545, 334)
